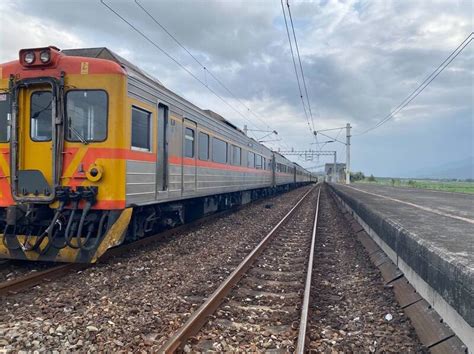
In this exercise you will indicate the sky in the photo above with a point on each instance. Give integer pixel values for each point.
(360, 59)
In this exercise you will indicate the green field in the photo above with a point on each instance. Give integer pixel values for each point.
(442, 185)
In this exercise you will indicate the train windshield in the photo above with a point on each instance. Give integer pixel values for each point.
(86, 115)
(4, 110)
(41, 111)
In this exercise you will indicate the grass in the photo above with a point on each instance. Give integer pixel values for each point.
(441, 185)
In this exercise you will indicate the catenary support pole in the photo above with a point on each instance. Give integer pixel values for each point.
(348, 153)
(334, 172)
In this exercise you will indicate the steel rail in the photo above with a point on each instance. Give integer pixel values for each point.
(300, 347)
(199, 317)
(37, 278)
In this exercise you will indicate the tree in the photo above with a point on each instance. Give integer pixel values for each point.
(371, 179)
(357, 176)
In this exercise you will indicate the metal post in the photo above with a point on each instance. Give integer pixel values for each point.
(334, 172)
(245, 129)
(348, 153)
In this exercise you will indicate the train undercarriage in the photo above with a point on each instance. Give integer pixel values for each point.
(75, 232)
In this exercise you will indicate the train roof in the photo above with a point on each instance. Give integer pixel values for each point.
(105, 53)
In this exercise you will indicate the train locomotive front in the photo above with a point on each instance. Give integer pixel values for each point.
(62, 150)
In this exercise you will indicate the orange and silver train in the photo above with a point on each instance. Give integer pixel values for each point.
(94, 153)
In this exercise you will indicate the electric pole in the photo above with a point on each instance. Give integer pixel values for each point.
(348, 148)
(348, 153)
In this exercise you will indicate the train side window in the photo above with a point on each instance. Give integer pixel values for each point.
(141, 129)
(4, 124)
(251, 160)
(258, 162)
(41, 120)
(219, 150)
(188, 142)
(86, 113)
(203, 146)
(236, 156)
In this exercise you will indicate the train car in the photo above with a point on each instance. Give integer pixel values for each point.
(284, 172)
(94, 152)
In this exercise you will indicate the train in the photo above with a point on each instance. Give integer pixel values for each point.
(95, 152)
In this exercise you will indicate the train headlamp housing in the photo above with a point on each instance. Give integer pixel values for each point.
(29, 57)
(95, 173)
(37, 57)
(45, 56)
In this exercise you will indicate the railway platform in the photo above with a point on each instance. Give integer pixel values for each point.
(429, 236)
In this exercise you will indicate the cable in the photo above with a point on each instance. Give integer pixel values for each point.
(294, 65)
(301, 66)
(423, 85)
(198, 62)
(175, 60)
(255, 114)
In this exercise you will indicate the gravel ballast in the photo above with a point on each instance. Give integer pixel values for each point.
(352, 310)
(260, 312)
(136, 301)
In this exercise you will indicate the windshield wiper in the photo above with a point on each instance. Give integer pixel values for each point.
(79, 136)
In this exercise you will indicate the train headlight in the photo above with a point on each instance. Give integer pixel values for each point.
(45, 56)
(94, 173)
(29, 57)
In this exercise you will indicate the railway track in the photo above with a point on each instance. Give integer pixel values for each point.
(32, 279)
(263, 304)
(37, 278)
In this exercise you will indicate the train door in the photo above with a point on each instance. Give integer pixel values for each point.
(34, 142)
(294, 174)
(162, 150)
(189, 166)
(273, 167)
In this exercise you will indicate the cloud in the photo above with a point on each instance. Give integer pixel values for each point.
(31, 32)
(361, 59)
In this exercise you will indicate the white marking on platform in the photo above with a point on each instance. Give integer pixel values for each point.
(435, 211)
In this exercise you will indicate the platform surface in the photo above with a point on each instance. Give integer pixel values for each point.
(445, 220)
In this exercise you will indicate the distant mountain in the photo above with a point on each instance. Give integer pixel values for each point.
(461, 169)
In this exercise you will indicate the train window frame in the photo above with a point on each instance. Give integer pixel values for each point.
(31, 118)
(208, 152)
(5, 98)
(258, 161)
(191, 138)
(214, 150)
(106, 116)
(236, 148)
(249, 165)
(150, 130)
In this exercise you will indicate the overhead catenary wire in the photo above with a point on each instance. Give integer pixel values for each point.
(204, 67)
(423, 84)
(211, 74)
(301, 66)
(294, 65)
(148, 39)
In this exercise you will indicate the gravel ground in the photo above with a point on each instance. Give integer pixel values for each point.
(351, 310)
(136, 301)
(262, 311)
